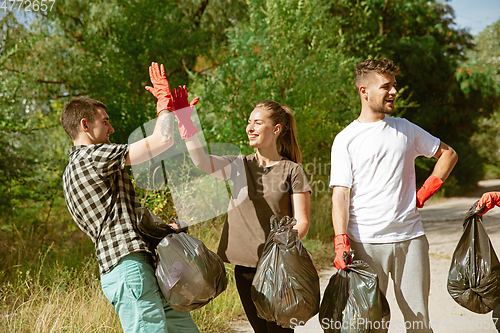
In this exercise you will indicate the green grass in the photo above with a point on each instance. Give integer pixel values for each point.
(44, 295)
(319, 239)
(321, 227)
(71, 301)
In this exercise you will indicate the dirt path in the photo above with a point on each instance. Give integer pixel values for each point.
(442, 221)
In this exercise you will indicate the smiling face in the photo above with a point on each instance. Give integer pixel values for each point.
(100, 129)
(261, 131)
(380, 93)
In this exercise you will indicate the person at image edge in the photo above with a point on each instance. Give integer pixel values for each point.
(102, 201)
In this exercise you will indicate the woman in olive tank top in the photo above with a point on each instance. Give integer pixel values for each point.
(275, 184)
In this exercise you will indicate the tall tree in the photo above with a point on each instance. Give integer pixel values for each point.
(103, 49)
(479, 77)
(290, 52)
(98, 48)
(303, 55)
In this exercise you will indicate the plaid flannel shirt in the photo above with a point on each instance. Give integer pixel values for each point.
(102, 201)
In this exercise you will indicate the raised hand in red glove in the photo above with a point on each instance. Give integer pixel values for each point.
(342, 246)
(183, 111)
(489, 200)
(160, 88)
(431, 186)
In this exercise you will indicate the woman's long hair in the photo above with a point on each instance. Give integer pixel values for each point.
(287, 143)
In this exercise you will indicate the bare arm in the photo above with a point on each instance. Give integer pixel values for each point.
(156, 143)
(340, 209)
(300, 207)
(447, 158)
(213, 165)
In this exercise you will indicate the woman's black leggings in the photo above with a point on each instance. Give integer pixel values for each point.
(244, 277)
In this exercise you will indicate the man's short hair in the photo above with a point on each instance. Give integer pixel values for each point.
(77, 109)
(370, 66)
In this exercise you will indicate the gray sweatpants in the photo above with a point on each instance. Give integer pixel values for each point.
(408, 265)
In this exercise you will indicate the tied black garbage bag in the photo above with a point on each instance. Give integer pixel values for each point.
(285, 288)
(152, 229)
(474, 277)
(352, 301)
(188, 273)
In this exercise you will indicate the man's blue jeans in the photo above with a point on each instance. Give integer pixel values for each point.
(132, 289)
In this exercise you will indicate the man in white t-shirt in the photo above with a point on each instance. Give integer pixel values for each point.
(374, 193)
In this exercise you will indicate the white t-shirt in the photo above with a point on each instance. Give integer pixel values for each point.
(377, 162)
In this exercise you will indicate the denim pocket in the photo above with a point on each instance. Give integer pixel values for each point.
(134, 279)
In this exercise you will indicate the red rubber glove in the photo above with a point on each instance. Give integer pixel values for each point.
(183, 111)
(342, 246)
(489, 200)
(160, 88)
(431, 186)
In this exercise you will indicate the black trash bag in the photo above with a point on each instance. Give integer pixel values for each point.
(285, 288)
(353, 302)
(474, 277)
(188, 273)
(152, 229)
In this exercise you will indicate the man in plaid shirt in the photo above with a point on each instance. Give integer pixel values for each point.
(103, 202)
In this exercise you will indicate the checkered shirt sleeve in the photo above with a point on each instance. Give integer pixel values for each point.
(102, 201)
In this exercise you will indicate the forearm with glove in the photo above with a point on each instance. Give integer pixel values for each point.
(340, 217)
(183, 111)
(162, 137)
(447, 158)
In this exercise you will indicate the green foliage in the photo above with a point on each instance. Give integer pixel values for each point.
(98, 48)
(290, 52)
(487, 51)
(103, 49)
(480, 80)
(32, 154)
(302, 54)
